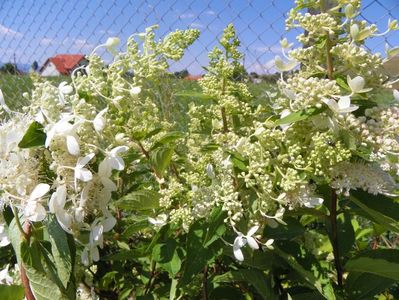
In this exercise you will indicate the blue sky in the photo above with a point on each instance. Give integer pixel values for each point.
(37, 29)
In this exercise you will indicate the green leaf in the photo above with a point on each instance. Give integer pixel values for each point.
(379, 209)
(216, 226)
(345, 232)
(226, 293)
(197, 255)
(160, 159)
(298, 116)
(60, 250)
(361, 286)
(168, 138)
(135, 227)
(42, 287)
(285, 232)
(11, 292)
(348, 139)
(139, 200)
(381, 262)
(167, 256)
(342, 83)
(306, 274)
(256, 278)
(124, 254)
(33, 137)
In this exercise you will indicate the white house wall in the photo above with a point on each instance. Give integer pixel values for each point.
(50, 70)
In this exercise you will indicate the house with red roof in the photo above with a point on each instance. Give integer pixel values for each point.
(62, 64)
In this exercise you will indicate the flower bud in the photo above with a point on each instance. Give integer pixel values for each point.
(349, 11)
(393, 25)
(112, 42)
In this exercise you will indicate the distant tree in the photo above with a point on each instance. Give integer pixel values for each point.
(254, 75)
(9, 68)
(35, 66)
(182, 74)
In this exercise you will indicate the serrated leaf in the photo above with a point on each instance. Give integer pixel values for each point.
(381, 262)
(139, 200)
(60, 250)
(160, 159)
(42, 287)
(298, 116)
(33, 137)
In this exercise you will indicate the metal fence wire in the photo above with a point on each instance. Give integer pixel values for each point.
(31, 31)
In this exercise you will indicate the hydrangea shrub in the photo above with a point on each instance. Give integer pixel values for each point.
(106, 193)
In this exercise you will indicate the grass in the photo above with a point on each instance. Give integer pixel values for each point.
(13, 87)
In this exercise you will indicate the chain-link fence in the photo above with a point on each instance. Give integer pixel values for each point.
(32, 31)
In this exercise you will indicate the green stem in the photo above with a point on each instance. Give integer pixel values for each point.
(18, 222)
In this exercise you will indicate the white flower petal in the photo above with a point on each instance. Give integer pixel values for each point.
(344, 102)
(238, 254)
(95, 254)
(85, 257)
(396, 94)
(252, 243)
(312, 202)
(239, 241)
(109, 223)
(72, 145)
(3, 103)
(65, 220)
(332, 104)
(108, 184)
(356, 84)
(117, 150)
(117, 163)
(65, 88)
(57, 200)
(39, 191)
(252, 230)
(34, 211)
(82, 161)
(83, 174)
(284, 67)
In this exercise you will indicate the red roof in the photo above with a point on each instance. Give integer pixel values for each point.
(64, 63)
(193, 77)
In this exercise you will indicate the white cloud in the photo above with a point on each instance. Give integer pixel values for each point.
(187, 16)
(272, 48)
(210, 12)
(107, 32)
(78, 45)
(46, 41)
(197, 25)
(9, 32)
